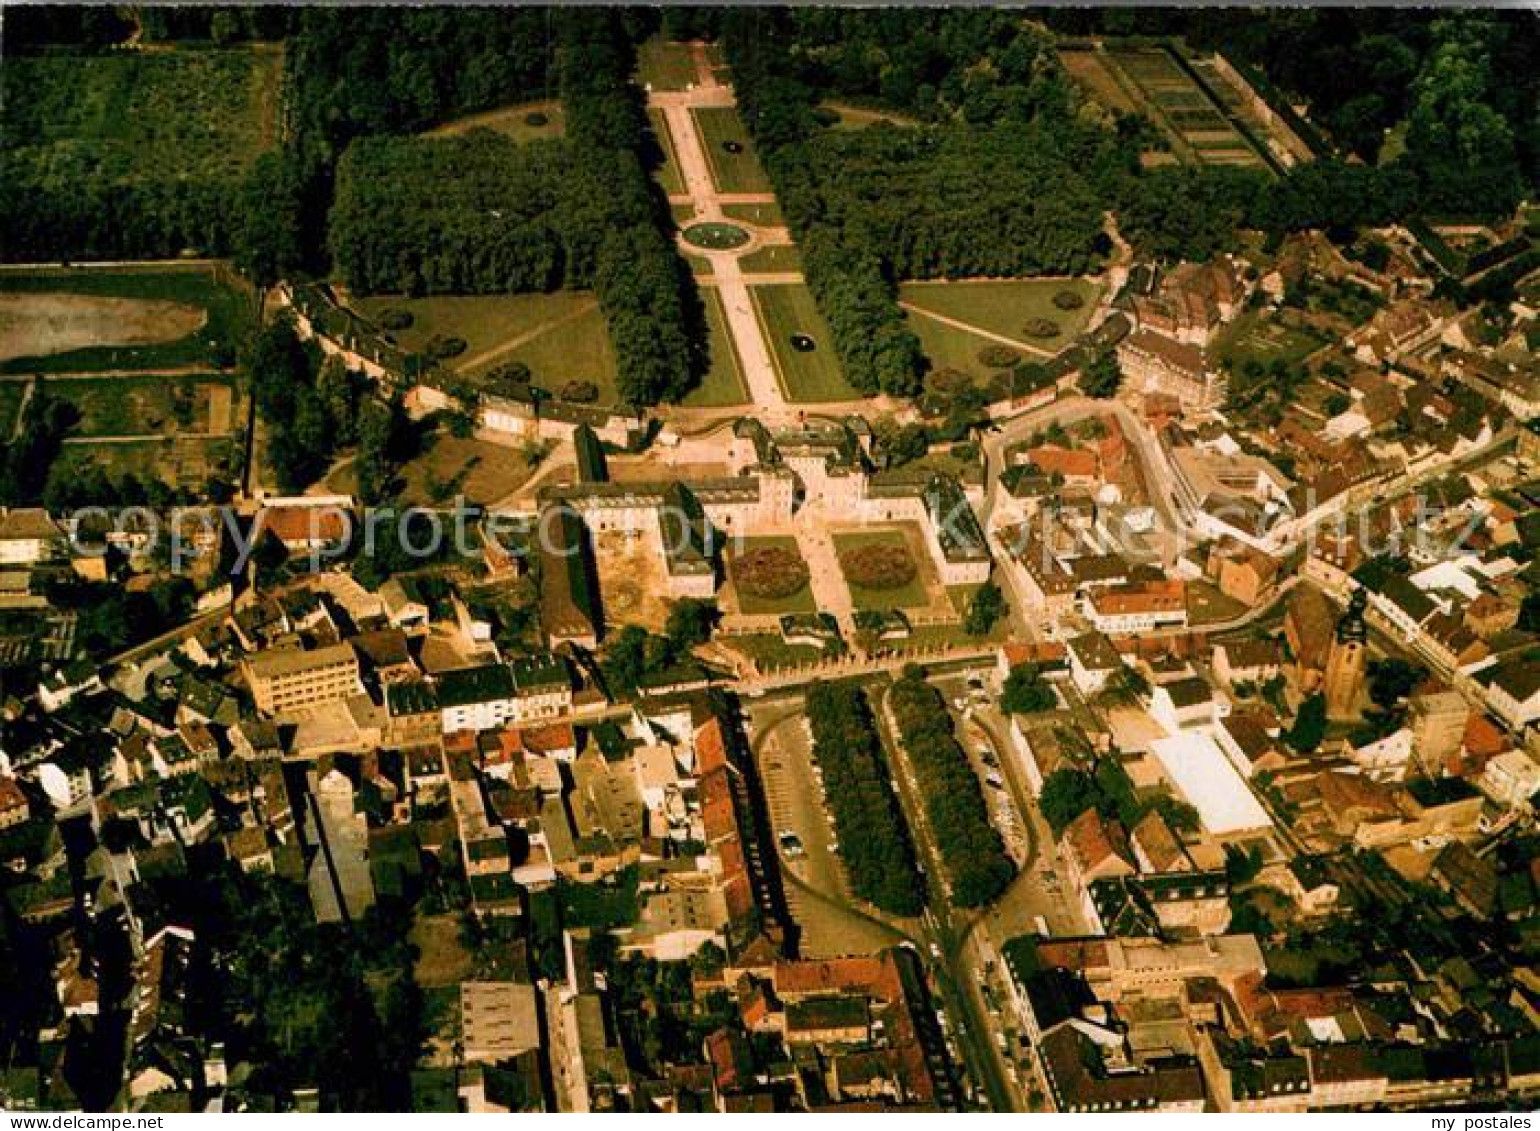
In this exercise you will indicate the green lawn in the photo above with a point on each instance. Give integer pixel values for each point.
(668, 173)
(799, 602)
(785, 310)
(682, 214)
(723, 382)
(859, 117)
(777, 257)
(224, 301)
(526, 121)
(769, 651)
(1255, 336)
(763, 215)
(948, 347)
(662, 65)
(1005, 306)
(732, 172)
(140, 406)
(910, 596)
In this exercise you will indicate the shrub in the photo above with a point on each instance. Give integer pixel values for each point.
(998, 356)
(1068, 300)
(769, 573)
(1040, 328)
(441, 347)
(881, 565)
(509, 375)
(395, 318)
(580, 392)
(535, 119)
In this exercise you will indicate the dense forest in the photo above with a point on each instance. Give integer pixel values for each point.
(1007, 182)
(481, 214)
(874, 841)
(975, 858)
(875, 206)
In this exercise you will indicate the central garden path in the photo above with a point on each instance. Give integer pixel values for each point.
(754, 353)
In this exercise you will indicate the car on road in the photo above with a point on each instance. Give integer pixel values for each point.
(995, 779)
(791, 844)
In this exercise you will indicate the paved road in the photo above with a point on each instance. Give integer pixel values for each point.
(727, 276)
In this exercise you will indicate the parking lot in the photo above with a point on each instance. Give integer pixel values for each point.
(816, 889)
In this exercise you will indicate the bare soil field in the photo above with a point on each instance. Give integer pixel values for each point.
(37, 325)
(631, 580)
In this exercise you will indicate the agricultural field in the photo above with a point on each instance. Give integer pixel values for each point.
(168, 135)
(561, 336)
(799, 602)
(662, 65)
(80, 320)
(161, 405)
(1092, 71)
(668, 173)
(734, 165)
(723, 383)
(913, 594)
(1200, 129)
(786, 312)
(1003, 308)
(526, 121)
(180, 461)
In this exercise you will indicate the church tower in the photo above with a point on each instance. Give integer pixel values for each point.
(1345, 664)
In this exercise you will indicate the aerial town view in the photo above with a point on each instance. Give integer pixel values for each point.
(743, 560)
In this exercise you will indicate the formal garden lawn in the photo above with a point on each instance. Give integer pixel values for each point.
(775, 257)
(950, 347)
(74, 320)
(733, 170)
(785, 312)
(1007, 306)
(668, 173)
(663, 65)
(761, 215)
(561, 335)
(799, 602)
(525, 121)
(723, 382)
(912, 594)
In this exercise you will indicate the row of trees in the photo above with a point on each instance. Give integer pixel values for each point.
(954, 800)
(874, 840)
